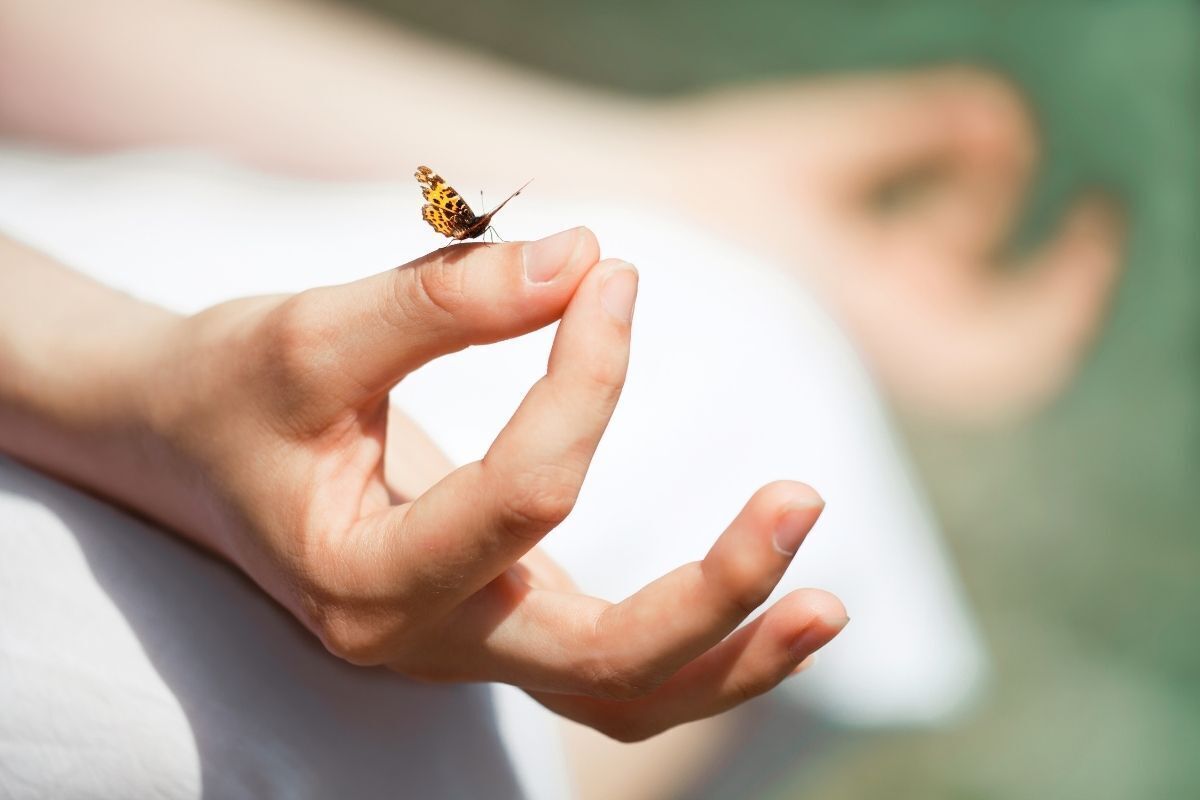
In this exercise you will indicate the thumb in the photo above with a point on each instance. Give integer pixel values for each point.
(391, 323)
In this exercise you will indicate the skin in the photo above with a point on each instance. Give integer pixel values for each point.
(954, 327)
(948, 332)
(261, 430)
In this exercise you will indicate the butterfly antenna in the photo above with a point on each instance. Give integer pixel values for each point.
(492, 213)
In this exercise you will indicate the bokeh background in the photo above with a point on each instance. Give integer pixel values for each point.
(1076, 530)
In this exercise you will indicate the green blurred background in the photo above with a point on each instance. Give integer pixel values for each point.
(1076, 532)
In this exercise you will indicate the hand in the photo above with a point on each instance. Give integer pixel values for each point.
(798, 170)
(272, 442)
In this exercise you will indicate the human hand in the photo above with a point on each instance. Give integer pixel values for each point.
(273, 443)
(797, 169)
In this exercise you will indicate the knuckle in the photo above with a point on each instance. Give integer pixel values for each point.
(752, 595)
(293, 322)
(434, 285)
(741, 582)
(298, 336)
(540, 501)
(346, 638)
(746, 688)
(621, 682)
(355, 625)
(606, 378)
(617, 686)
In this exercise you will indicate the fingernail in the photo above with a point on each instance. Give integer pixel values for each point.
(818, 632)
(545, 258)
(619, 290)
(794, 524)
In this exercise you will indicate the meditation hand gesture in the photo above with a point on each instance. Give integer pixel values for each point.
(261, 429)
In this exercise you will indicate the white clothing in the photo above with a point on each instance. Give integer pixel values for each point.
(133, 665)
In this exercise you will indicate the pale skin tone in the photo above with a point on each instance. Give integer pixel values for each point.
(261, 430)
(956, 328)
(951, 329)
(325, 93)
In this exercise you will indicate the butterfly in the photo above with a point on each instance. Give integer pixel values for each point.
(447, 212)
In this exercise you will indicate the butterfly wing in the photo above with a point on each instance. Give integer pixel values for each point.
(438, 219)
(444, 209)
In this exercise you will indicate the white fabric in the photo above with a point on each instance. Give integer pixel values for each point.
(129, 661)
(131, 666)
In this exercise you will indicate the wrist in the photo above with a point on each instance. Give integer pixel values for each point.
(74, 361)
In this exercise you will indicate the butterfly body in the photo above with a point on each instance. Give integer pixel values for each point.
(446, 211)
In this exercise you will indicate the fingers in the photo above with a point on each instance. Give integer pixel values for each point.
(387, 325)
(475, 523)
(1001, 343)
(968, 133)
(586, 646)
(750, 662)
(656, 631)
(1071, 278)
(1055, 307)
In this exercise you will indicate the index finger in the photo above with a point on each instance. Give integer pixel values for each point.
(477, 521)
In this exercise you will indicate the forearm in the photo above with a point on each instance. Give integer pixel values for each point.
(73, 359)
(298, 87)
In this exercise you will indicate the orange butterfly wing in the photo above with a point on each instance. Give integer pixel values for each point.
(445, 210)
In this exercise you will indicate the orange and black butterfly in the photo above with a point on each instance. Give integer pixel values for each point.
(447, 212)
